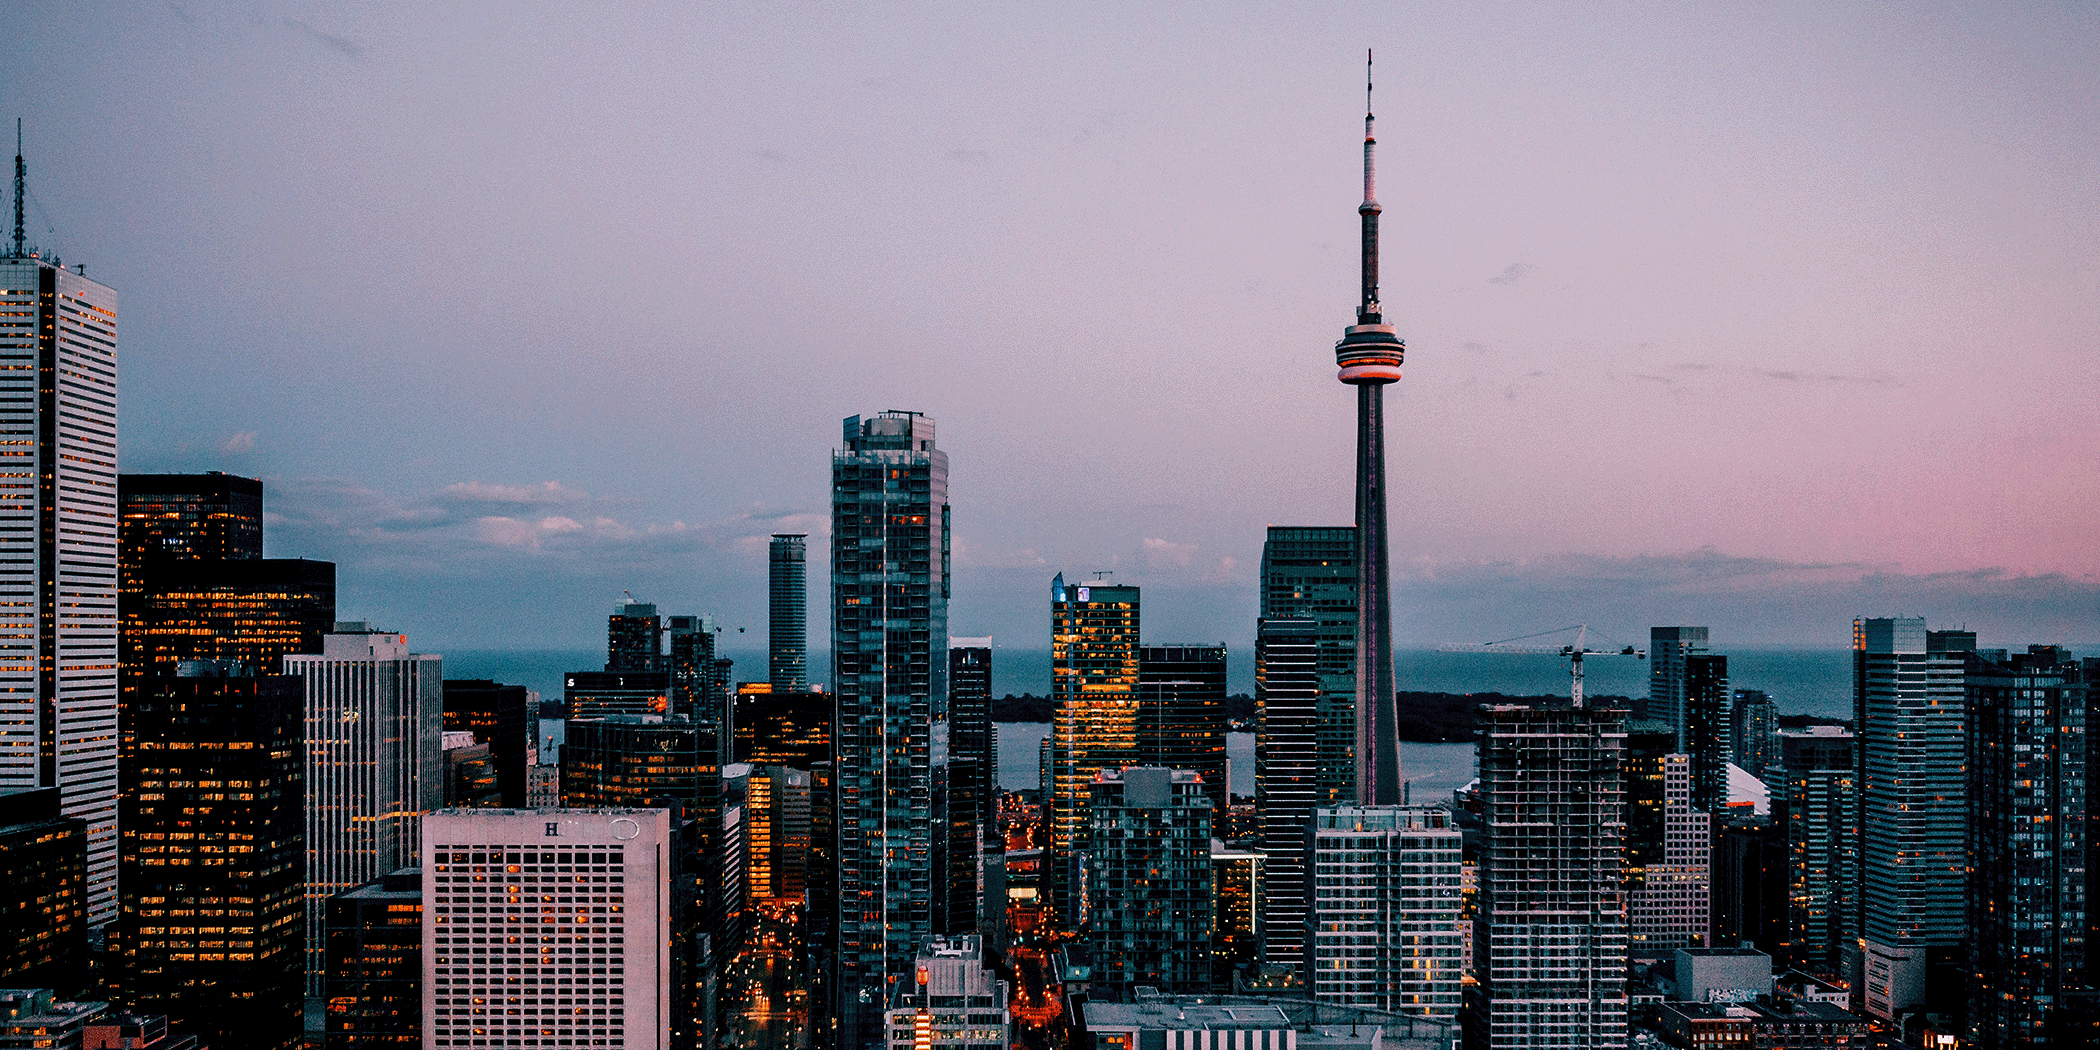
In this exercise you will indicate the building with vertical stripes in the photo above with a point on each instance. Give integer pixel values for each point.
(1909, 702)
(58, 549)
(374, 764)
(889, 631)
(1094, 690)
(1286, 776)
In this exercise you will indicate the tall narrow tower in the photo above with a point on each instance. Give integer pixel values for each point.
(1369, 357)
(787, 621)
(58, 544)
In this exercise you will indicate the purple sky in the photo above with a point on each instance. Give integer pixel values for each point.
(1755, 316)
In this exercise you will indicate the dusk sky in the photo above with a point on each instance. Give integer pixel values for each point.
(1756, 316)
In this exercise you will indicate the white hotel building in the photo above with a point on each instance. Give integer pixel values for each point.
(546, 928)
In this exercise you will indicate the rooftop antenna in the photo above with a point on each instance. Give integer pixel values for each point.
(21, 188)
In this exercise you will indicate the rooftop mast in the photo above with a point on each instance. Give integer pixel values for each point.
(21, 188)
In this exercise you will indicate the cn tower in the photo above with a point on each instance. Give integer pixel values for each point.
(1369, 357)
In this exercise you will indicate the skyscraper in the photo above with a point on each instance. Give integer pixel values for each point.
(1552, 915)
(1382, 894)
(58, 606)
(604, 936)
(673, 763)
(971, 794)
(1667, 649)
(374, 765)
(1369, 357)
(1286, 775)
(1669, 898)
(1908, 701)
(1818, 817)
(634, 638)
(1752, 725)
(1181, 714)
(214, 771)
(43, 908)
(1707, 739)
(374, 955)
(2028, 827)
(787, 621)
(1094, 688)
(1310, 571)
(889, 622)
(1148, 846)
(495, 713)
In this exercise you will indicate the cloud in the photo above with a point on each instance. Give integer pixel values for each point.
(1745, 599)
(1159, 551)
(1511, 274)
(341, 45)
(238, 443)
(544, 494)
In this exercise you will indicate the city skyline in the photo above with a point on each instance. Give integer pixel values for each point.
(1827, 259)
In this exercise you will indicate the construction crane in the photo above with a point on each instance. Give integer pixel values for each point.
(1574, 653)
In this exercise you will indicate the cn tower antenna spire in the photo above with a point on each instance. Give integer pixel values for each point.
(1368, 311)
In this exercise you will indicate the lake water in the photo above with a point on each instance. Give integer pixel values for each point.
(1801, 681)
(1433, 771)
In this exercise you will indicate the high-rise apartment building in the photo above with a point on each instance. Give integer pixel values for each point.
(1382, 885)
(374, 764)
(589, 941)
(970, 797)
(1181, 714)
(596, 694)
(1310, 572)
(1667, 649)
(1552, 914)
(2028, 841)
(1147, 846)
(787, 619)
(1668, 898)
(495, 713)
(889, 622)
(1754, 726)
(953, 1001)
(374, 953)
(1817, 818)
(43, 905)
(214, 772)
(1236, 872)
(1707, 738)
(634, 638)
(58, 549)
(1286, 775)
(1094, 690)
(1908, 701)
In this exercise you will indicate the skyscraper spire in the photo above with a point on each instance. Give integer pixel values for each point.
(21, 188)
(1369, 357)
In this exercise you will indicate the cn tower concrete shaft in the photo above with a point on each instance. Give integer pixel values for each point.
(1378, 780)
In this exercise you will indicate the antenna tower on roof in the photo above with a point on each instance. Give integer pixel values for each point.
(21, 189)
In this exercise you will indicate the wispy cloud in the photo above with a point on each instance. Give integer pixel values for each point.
(341, 45)
(1511, 274)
